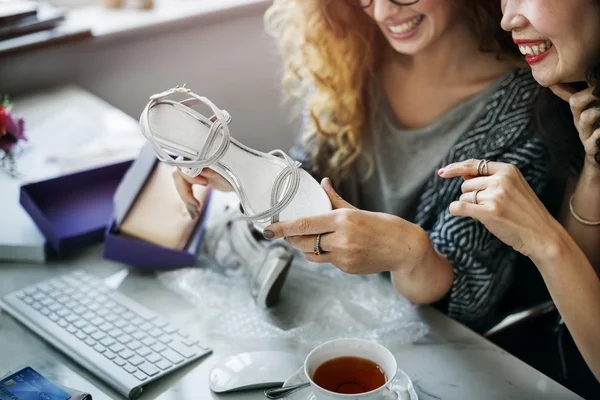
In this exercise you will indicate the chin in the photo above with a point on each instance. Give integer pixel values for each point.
(544, 77)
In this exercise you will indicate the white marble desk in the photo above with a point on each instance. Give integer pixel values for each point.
(451, 362)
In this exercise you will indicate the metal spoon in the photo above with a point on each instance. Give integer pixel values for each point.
(279, 393)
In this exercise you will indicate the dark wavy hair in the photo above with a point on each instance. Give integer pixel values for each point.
(555, 122)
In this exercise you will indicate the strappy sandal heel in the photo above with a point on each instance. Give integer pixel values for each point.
(271, 186)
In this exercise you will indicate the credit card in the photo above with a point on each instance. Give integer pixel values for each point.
(28, 384)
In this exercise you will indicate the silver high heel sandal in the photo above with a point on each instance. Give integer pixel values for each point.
(271, 186)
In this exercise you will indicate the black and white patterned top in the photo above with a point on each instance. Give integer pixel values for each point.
(483, 265)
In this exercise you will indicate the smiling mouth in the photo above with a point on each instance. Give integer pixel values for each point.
(535, 50)
(406, 27)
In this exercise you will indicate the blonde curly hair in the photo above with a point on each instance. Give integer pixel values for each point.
(331, 52)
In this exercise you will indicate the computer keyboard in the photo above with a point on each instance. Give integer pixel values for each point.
(116, 338)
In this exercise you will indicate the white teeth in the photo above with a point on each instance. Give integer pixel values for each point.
(407, 26)
(536, 50)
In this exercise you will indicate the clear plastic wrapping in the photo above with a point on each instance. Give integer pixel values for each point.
(317, 303)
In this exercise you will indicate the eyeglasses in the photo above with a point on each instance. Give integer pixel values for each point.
(369, 3)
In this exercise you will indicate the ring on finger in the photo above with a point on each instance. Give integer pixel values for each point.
(482, 168)
(474, 196)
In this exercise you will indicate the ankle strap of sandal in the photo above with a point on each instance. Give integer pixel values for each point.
(218, 125)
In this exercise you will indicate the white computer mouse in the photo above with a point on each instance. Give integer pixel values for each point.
(253, 370)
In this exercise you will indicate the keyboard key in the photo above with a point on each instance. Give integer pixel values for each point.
(54, 307)
(80, 324)
(119, 309)
(80, 310)
(72, 304)
(103, 312)
(172, 356)
(148, 368)
(37, 306)
(146, 326)
(62, 323)
(106, 327)
(94, 306)
(111, 304)
(187, 352)
(134, 345)
(69, 290)
(117, 348)
(160, 322)
(45, 287)
(166, 339)
(124, 339)
(53, 317)
(100, 298)
(99, 348)
(88, 315)
(71, 329)
(140, 375)
(130, 368)
(45, 311)
(139, 335)
(158, 347)
(71, 318)
(30, 290)
(46, 302)
(144, 351)
(128, 315)
(115, 332)
(30, 301)
(78, 296)
(137, 321)
(170, 329)
(63, 312)
(153, 358)
(86, 301)
(149, 341)
(107, 341)
(156, 332)
(111, 317)
(88, 330)
(126, 354)
(98, 335)
(80, 335)
(58, 284)
(129, 329)
(164, 364)
(136, 360)
(96, 321)
(120, 323)
(90, 342)
(39, 296)
(119, 361)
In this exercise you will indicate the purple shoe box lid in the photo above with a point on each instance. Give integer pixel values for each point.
(137, 252)
(71, 211)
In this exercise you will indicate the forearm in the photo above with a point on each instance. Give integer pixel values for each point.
(586, 203)
(575, 289)
(425, 278)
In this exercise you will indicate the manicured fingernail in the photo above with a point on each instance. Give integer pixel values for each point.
(268, 235)
(192, 210)
(441, 171)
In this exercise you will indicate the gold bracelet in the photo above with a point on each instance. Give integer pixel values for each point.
(578, 218)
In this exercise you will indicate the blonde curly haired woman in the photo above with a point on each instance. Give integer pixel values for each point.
(392, 90)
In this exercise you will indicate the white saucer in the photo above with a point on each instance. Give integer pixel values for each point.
(307, 394)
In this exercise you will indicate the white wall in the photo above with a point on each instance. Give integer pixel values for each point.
(227, 58)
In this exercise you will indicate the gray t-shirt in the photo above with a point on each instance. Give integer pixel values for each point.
(404, 159)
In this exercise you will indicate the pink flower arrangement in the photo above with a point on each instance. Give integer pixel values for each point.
(12, 131)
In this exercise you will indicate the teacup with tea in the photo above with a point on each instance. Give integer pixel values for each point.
(343, 369)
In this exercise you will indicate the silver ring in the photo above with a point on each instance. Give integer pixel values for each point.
(318, 250)
(474, 196)
(482, 168)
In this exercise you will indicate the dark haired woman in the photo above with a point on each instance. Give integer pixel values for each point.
(561, 42)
